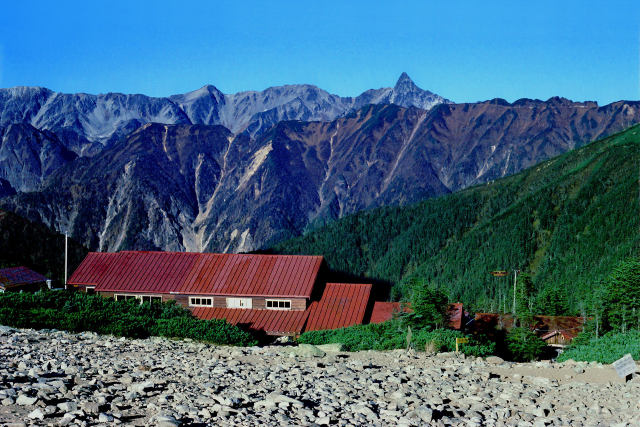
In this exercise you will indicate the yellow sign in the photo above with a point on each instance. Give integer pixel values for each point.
(499, 273)
(461, 341)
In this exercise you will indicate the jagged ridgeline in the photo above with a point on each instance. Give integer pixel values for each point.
(569, 221)
(36, 246)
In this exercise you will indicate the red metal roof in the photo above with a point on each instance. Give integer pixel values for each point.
(17, 276)
(253, 275)
(272, 322)
(92, 268)
(455, 314)
(196, 273)
(383, 311)
(148, 272)
(341, 305)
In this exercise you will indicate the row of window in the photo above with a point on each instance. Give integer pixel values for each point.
(272, 304)
(151, 299)
(240, 303)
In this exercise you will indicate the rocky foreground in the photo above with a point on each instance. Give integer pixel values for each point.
(58, 378)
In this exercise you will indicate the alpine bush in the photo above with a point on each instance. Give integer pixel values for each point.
(524, 345)
(605, 349)
(392, 335)
(78, 312)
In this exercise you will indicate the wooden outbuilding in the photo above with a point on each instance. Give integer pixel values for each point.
(22, 279)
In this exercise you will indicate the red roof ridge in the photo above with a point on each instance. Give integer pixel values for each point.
(349, 284)
(211, 253)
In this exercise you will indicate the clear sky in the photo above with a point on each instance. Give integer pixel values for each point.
(463, 50)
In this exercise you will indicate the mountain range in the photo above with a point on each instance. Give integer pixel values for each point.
(206, 171)
(88, 122)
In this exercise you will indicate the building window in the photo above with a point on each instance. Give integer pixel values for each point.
(121, 297)
(151, 299)
(90, 290)
(278, 304)
(200, 302)
(239, 303)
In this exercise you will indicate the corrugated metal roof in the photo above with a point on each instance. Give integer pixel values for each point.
(253, 275)
(455, 314)
(146, 272)
(196, 273)
(91, 269)
(273, 322)
(383, 311)
(17, 276)
(341, 305)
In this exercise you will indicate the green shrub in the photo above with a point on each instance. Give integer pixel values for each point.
(393, 335)
(215, 330)
(445, 340)
(524, 345)
(605, 349)
(381, 336)
(77, 312)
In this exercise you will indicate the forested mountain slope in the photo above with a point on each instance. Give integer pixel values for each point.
(568, 221)
(37, 247)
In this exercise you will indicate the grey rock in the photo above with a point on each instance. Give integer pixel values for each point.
(165, 421)
(330, 348)
(105, 418)
(90, 407)
(66, 419)
(36, 414)
(494, 360)
(307, 350)
(142, 387)
(25, 400)
(68, 406)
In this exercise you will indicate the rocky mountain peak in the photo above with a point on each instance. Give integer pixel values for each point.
(405, 84)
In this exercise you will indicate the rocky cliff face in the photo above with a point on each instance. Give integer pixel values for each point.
(28, 156)
(202, 188)
(86, 124)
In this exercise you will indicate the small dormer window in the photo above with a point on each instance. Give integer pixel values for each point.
(278, 304)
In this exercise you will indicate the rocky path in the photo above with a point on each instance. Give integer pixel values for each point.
(57, 378)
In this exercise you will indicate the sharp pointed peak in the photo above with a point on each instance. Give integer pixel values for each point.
(404, 80)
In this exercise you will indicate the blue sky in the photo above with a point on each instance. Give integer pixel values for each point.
(463, 50)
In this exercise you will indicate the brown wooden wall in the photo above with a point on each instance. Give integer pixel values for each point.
(258, 303)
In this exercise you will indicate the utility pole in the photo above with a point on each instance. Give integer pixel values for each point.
(65, 259)
(515, 280)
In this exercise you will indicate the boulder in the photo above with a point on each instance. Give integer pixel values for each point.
(307, 350)
(24, 400)
(494, 360)
(36, 414)
(330, 348)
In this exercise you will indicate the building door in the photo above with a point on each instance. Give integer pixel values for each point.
(239, 303)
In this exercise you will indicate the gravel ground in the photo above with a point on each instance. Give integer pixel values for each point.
(58, 378)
